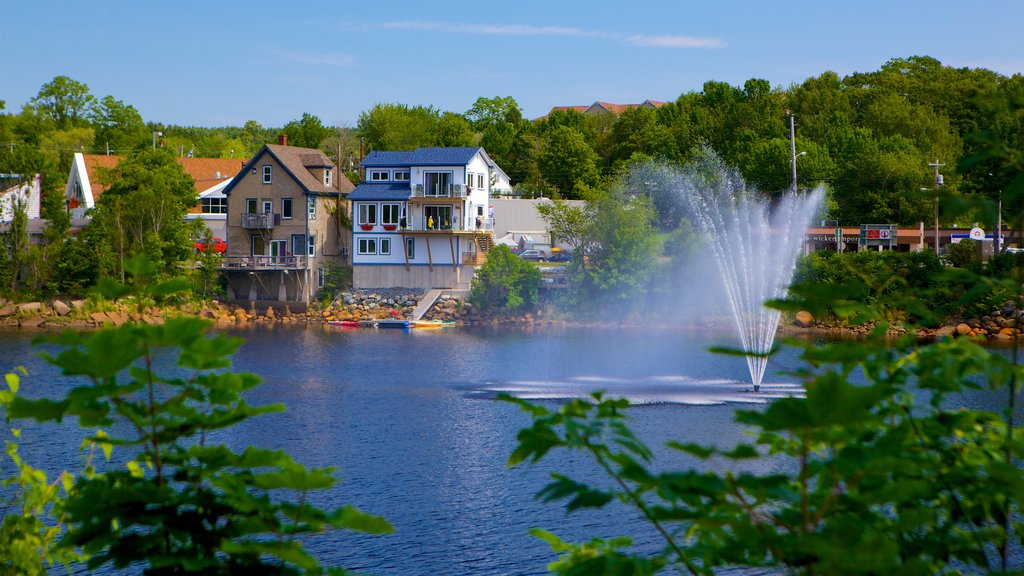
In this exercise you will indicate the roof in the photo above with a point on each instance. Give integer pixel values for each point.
(297, 162)
(381, 191)
(599, 106)
(421, 157)
(207, 172)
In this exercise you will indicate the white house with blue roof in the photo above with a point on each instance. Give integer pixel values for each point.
(421, 218)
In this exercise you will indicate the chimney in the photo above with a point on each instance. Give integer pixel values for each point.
(282, 139)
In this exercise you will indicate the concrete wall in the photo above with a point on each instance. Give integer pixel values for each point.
(422, 277)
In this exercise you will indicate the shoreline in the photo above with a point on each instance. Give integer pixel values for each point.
(1001, 328)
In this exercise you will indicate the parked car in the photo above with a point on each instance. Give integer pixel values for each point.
(560, 256)
(534, 255)
(218, 245)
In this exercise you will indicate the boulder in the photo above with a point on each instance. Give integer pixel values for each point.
(804, 319)
(7, 310)
(30, 307)
(61, 308)
(963, 329)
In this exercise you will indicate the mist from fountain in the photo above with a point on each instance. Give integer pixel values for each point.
(755, 241)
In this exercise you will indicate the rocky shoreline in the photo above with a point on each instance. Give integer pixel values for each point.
(1005, 324)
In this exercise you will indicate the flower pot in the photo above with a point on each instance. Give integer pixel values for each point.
(366, 227)
(390, 227)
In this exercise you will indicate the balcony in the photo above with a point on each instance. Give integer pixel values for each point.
(448, 191)
(265, 221)
(254, 263)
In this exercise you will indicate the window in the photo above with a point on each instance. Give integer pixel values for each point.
(250, 205)
(437, 183)
(311, 208)
(367, 245)
(469, 179)
(379, 175)
(215, 205)
(268, 206)
(286, 208)
(367, 214)
(480, 181)
(438, 217)
(385, 246)
(402, 175)
(268, 173)
(298, 244)
(312, 245)
(327, 177)
(390, 214)
(410, 248)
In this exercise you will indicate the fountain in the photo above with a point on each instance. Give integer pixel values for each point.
(755, 243)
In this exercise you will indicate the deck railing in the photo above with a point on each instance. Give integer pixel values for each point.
(264, 262)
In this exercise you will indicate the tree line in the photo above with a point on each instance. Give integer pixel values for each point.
(868, 137)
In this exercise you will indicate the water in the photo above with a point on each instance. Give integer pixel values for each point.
(408, 420)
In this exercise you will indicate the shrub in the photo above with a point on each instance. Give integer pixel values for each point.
(506, 283)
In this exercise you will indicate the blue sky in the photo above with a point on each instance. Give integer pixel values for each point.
(222, 62)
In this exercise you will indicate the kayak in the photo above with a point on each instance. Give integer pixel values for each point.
(433, 323)
(345, 323)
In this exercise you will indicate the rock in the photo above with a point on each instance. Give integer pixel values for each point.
(32, 322)
(78, 304)
(7, 310)
(61, 308)
(804, 319)
(963, 329)
(30, 307)
(945, 331)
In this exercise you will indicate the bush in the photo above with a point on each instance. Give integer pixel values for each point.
(506, 283)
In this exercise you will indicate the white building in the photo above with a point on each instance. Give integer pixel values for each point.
(421, 218)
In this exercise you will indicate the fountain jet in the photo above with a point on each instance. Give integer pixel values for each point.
(755, 243)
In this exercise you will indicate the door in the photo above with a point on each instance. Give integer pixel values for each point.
(278, 251)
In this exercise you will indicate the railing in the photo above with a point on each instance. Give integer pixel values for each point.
(449, 191)
(474, 258)
(264, 262)
(264, 221)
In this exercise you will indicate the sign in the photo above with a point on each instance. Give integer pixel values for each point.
(878, 235)
(977, 233)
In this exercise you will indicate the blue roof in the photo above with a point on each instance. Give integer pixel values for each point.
(421, 157)
(381, 191)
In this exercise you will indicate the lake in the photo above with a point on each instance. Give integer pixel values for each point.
(408, 420)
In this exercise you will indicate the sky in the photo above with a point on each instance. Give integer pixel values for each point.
(223, 62)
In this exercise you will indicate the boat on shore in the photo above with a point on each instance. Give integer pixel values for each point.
(345, 323)
(392, 323)
(433, 323)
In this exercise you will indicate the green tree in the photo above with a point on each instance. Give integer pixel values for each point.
(487, 112)
(398, 126)
(65, 102)
(454, 131)
(505, 283)
(119, 126)
(143, 213)
(307, 132)
(15, 242)
(567, 161)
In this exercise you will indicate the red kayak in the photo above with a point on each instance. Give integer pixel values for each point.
(346, 323)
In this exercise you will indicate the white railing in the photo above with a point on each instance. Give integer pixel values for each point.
(449, 191)
(264, 262)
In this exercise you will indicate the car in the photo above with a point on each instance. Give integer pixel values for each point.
(560, 256)
(217, 244)
(534, 255)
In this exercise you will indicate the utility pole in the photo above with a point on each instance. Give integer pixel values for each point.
(792, 147)
(938, 182)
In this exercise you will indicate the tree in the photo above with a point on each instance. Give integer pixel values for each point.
(65, 102)
(505, 283)
(143, 212)
(119, 126)
(453, 131)
(566, 160)
(487, 112)
(399, 127)
(15, 241)
(307, 132)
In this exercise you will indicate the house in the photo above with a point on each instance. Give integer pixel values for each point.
(606, 108)
(421, 218)
(211, 176)
(286, 222)
(15, 188)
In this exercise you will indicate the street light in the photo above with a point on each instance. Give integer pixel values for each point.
(155, 135)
